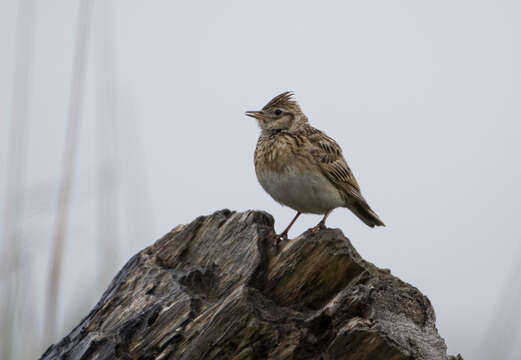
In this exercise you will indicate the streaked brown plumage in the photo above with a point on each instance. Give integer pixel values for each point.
(301, 167)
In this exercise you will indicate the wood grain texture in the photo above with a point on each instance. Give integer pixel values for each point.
(218, 289)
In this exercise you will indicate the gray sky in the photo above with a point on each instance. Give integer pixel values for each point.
(424, 98)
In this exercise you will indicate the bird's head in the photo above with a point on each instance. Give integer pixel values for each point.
(281, 113)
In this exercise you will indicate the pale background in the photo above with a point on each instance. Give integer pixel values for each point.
(423, 96)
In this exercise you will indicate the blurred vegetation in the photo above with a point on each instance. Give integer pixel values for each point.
(21, 301)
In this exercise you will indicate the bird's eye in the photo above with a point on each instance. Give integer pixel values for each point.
(278, 112)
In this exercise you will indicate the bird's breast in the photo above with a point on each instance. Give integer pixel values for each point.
(293, 179)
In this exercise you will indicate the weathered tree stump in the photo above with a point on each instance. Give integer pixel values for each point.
(219, 289)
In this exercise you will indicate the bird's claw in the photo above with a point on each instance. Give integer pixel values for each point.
(279, 237)
(319, 226)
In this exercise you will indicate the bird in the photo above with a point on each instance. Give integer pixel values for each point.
(303, 168)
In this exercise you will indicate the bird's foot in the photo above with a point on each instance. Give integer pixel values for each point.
(319, 226)
(278, 238)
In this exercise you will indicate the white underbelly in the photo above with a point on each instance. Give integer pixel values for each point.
(302, 191)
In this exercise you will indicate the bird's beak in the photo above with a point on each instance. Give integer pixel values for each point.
(254, 114)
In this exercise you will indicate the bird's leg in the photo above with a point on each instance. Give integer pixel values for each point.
(284, 234)
(322, 223)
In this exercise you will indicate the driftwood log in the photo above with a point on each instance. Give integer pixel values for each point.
(217, 288)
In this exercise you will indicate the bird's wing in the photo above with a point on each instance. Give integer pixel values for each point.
(328, 155)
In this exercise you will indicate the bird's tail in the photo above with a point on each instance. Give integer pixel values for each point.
(365, 213)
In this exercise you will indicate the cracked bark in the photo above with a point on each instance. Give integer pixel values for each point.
(218, 289)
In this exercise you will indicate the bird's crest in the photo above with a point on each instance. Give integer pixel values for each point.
(283, 100)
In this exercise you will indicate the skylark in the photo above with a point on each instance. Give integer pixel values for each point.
(303, 168)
